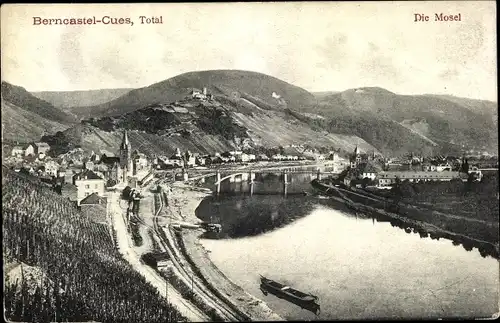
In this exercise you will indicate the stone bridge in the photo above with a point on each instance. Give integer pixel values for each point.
(249, 176)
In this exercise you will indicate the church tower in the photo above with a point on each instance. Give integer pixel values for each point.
(355, 158)
(126, 156)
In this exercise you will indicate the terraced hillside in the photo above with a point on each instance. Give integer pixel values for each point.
(72, 271)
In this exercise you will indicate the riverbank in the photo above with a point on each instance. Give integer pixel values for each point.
(183, 201)
(434, 224)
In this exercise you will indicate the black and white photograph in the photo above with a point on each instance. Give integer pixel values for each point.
(250, 161)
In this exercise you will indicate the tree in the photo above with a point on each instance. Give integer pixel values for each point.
(396, 190)
(465, 167)
(366, 181)
(126, 193)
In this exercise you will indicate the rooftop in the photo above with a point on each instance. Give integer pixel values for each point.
(86, 174)
(419, 174)
(94, 199)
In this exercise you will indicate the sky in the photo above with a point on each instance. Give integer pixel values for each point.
(319, 46)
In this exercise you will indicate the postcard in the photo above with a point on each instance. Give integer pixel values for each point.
(261, 161)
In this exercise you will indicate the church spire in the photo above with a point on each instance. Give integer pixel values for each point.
(125, 142)
(356, 151)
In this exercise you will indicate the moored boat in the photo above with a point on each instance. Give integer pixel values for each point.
(307, 301)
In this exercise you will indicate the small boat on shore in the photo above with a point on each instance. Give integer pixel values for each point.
(306, 301)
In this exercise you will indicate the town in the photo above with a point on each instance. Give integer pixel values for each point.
(83, 177)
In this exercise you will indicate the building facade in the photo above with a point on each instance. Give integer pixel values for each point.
(88, 182)
(389, 178)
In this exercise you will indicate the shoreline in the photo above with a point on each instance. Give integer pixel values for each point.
(430, 228)
(186, 199)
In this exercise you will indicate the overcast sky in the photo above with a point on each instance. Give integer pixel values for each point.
(319, 46)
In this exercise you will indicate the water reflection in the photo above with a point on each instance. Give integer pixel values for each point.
(243, 215)
(359, 269)
(356, 263)
(247, 216)
(484, 248)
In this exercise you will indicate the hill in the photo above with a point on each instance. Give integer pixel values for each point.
(24, 126)
(322, 94)
(484, 107)
(216, 125)
(72, 101)
(378, 116)
(230, 83)
(23, 99)
(62, 247)
(26, 117)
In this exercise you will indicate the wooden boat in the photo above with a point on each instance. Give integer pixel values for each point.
(306, 301)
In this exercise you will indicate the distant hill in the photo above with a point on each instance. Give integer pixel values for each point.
(24, 126)
(323, 94)
(26, 117)
(222, 124)
(230, 83)
(478, 106)
(378, 116)
(72, 101)
(23, 99)
(253, 109)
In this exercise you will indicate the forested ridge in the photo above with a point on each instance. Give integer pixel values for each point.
(43, 230)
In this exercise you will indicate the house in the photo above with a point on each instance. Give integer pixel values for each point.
(30, 150)
(369, 170)
(40, 170)
(175, 160)
(243, 157)
(197, 94)
(87, 183)
(17, 151)
(95, 206)
(94, 157)
(443, 167)
(429, 167)
(199, 160)
(158, 260)
(109, 160)
(352, 174)
(89, 165)
(478, 175)
(42, 147)
(27, 170)
(320, 157)
(210, 160)
(333, 156)
(389, 178)
(262, 157)
(51, 168)
(141, 160)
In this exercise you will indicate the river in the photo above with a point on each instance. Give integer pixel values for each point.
(358, 267)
